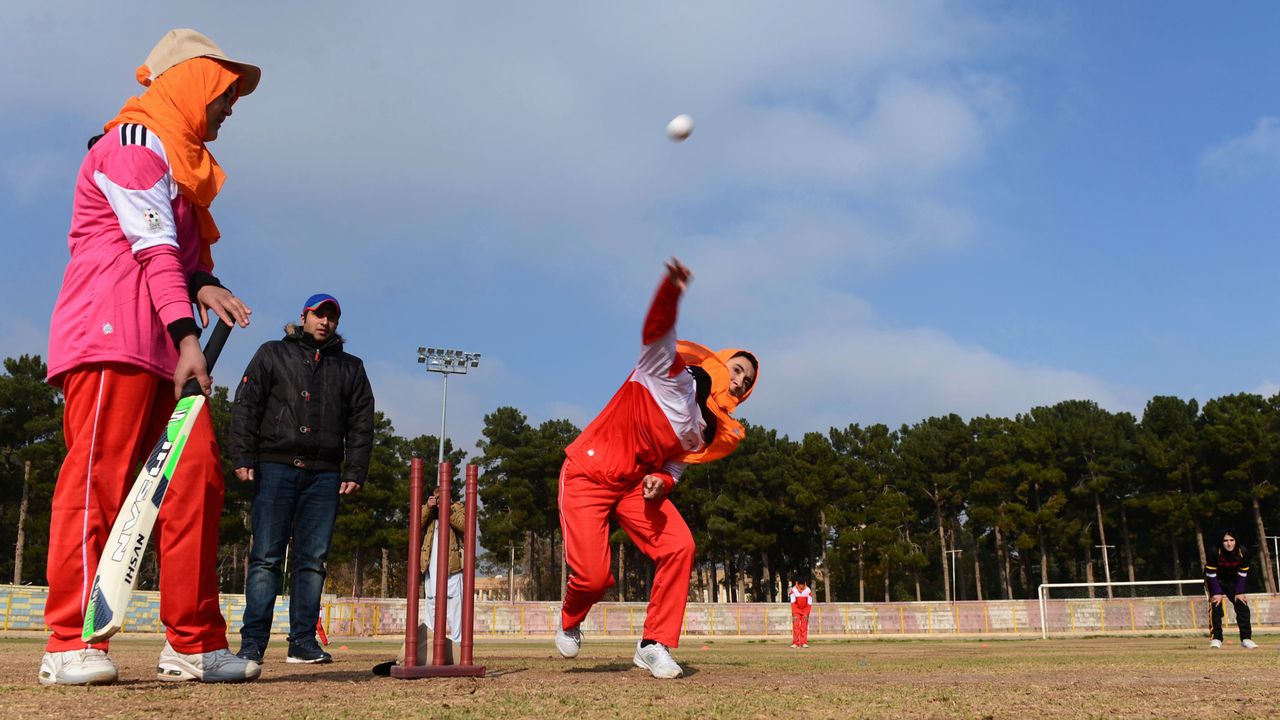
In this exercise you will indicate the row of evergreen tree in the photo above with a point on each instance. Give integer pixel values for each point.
(941, 509)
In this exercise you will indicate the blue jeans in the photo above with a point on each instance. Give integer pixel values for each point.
(288, 502)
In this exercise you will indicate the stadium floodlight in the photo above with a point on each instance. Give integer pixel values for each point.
(446, 362)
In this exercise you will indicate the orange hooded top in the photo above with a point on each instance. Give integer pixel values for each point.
(173, 107)
(720, 402)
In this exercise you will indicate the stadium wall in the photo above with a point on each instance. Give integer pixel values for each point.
(22, 608)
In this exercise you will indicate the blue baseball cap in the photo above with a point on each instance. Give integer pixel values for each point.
(315, 301)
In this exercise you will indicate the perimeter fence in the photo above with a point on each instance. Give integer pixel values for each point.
(22, 608)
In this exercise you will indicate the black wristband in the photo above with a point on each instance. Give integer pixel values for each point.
(201, 279)
(181, 328)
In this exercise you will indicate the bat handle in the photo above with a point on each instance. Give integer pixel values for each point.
(211, 352)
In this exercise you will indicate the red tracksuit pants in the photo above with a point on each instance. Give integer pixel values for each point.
(113, 416)
(586, 507)
(799, 629)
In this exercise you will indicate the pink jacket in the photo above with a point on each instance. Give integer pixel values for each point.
(134, 250)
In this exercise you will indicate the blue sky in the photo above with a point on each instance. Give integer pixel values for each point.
(905, 209)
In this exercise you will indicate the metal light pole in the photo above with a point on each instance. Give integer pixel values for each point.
(446, 362)
(1106, 564)
(953, 554)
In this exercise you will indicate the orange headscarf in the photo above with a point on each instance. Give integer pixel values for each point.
(174, 108)
(720, 402)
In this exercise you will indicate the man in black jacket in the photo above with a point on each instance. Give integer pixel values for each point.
(302, 430)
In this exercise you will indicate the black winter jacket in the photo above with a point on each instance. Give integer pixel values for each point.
(306, 406)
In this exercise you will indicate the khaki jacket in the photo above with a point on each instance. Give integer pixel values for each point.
(457, 525)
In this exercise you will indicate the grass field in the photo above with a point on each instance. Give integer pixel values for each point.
(1024, 679)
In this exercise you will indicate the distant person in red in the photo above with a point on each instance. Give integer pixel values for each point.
(801, 604)
(673, 410)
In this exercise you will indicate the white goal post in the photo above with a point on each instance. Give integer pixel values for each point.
(1197, 586)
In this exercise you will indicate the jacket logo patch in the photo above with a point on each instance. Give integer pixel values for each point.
(153, 219)
(107, 329)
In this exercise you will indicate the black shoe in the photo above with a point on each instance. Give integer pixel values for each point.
(252, 650)
(308, 651)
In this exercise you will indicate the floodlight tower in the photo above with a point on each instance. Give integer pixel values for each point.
(446, 362)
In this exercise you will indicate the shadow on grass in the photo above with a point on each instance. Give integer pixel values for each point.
(607, 667)
(623, 667)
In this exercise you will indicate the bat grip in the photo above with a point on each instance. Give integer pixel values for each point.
(211, 352)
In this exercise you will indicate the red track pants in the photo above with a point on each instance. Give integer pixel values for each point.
(799, 629)
(586, 508)
(113, 416)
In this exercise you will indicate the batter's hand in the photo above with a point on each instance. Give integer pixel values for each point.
(678, 274)
(654, 488)
(191, 365)
(226, 306)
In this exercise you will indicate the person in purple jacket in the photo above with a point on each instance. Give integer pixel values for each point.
(1224, 577)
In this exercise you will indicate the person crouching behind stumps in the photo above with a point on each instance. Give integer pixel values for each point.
(1224, 577)
(673, 410)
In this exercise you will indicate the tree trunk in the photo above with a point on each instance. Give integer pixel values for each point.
(20, 545)
(1177, 561)
(564, 566)
(1106, 550)
(1128, 549)
(977, 571)
(386, 572)
(961, 593)
(1002, 562)
(1044, 559)
(355, 576)
(1023, 574)
(511, 574)
(715, 580)
(942, 545)
(862, 584)
(622, 573)
(1204, 559)
(532, 572)
(1264, 552)
(916, 575)
(1088, 567)
(885, 566)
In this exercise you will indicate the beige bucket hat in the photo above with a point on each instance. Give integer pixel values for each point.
(184, 44)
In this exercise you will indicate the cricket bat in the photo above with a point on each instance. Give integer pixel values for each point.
(122, 556)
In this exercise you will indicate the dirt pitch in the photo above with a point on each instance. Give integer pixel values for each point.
(1020, 679)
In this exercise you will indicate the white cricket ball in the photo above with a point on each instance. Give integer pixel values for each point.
(680, 127)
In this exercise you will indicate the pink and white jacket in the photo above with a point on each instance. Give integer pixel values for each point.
(654, 417)
(135, 250)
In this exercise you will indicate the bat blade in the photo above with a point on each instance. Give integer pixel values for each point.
(122, 557)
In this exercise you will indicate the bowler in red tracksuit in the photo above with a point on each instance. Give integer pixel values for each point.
(673, 410)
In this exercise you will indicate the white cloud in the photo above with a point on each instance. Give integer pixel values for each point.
(834, 374)
(1254, 153)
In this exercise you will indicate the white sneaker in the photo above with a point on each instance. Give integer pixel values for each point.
(1248, 644)
(568, 642)
(657, 660)
(1215, 644)
(78, 667)
(211, 667)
